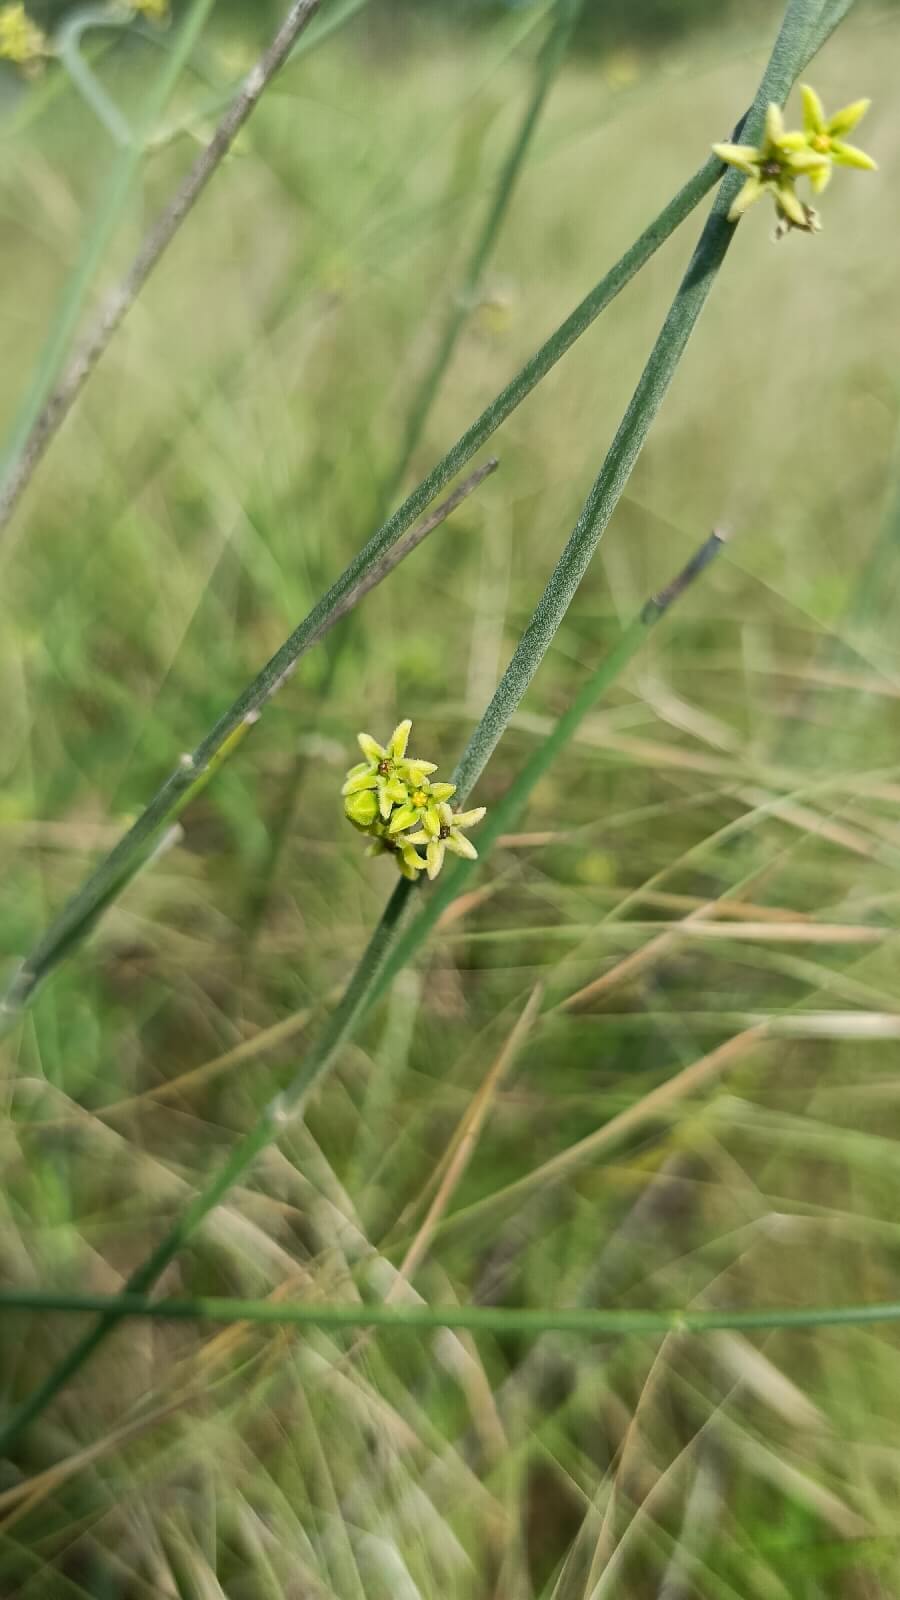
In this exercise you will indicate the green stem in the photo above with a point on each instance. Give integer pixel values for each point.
(67, 43)
(478, 1319)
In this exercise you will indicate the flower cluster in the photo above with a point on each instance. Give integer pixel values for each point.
(393, 799)
(788, 154)
(21, 40)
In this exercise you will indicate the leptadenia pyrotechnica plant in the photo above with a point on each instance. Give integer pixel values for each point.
(784, 155)
(393, 799)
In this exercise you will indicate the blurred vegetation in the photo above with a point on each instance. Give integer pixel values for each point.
(226, 461)
(604, 22)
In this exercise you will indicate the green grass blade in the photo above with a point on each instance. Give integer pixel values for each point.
(588, 1322)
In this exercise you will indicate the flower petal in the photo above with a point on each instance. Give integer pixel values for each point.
(431, 821)
(795, 140)
(370, 747)
(403, 817)
(434, 857)
(821, 178)
(415, 771)
(848, 116)
(804, 160)
(441, 791)
(774, 123)
(847, 155)
(445, 814)
(745, 156)
(412, 859)
(362, 780)
(396, 791)
(399, 740)
(361, 808)
(745, 198)
(461, 846)
(419, 837)
(789, 205)
(813, 110)
(385, 803)
(468, 819)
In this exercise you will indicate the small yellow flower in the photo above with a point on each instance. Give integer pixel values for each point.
(824, 136)
(449, 836)
(21, 40)
(387, 770)
(409, 862)
(422, 809)
(774, 167)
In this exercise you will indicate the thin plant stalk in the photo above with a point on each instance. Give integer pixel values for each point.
(67, 47)
(46, 411)
(581, 1320)
(120, 866)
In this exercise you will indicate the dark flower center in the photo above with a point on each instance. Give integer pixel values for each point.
(445, 831)
(384, 768)
(771, 169)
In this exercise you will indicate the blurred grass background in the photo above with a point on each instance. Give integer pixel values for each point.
(225, 462)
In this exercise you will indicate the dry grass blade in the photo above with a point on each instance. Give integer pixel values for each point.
(462, 1145)
(658, 1101)
(459, 1154)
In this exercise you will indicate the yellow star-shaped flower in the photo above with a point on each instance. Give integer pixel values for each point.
(21, 40)
(824, 136)
(449, 836)
(774, 167)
